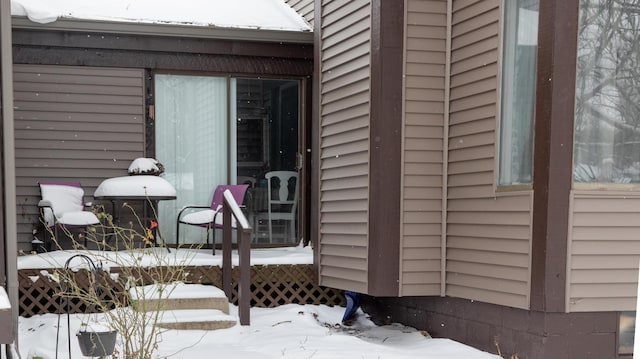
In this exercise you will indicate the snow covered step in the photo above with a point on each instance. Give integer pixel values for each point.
(203, 319)
(176, 296)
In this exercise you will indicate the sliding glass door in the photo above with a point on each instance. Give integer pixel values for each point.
(221, 130)
(191, 129)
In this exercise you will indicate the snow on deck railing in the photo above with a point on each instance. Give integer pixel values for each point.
(230, 208)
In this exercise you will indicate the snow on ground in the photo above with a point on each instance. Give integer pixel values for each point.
(289, 331)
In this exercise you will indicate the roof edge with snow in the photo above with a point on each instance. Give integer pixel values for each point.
(174, 30)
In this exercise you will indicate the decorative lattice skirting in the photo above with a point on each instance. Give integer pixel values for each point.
(271, 286)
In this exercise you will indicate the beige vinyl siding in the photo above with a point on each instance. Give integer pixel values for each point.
(488, 235)
(423, 143)
(303, 7)
(344, 143)
(73, 124)
(603, 250)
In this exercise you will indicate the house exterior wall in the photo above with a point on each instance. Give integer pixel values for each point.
(425, 48)
(304, 8)
(115, 60)
(344, 120)
(488, 232)
(74, 124)
(603, 249)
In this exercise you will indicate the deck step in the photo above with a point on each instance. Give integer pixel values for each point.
(185, 306)
(202, 319)
(178, 296)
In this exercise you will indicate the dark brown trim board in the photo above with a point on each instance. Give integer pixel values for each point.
(162, 53)
(552, 171)
(489, 327)
(385, 146)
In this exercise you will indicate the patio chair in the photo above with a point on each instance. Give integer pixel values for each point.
(210, 217)
(62, 207)
(282, 200)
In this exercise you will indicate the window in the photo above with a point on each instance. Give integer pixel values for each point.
(607, 116)
(520, 44)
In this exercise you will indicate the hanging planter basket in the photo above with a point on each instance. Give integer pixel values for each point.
(97, 344)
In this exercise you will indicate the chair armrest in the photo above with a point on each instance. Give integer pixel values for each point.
(45, 203)
(191, 207)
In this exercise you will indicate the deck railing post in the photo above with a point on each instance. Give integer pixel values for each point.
(243, 230)
(227, 265)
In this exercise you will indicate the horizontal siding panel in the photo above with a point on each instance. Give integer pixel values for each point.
(419, 253)
(422, 242)
(472, 140)
(609, 247)
(38, 88)
(435, 31)
(411, 204)
(483, 20)
(417, 81)
(605, 262)
(477, 191)
(424, 57)
(353, 241)
(422, 181)
(422, 229)
(336, 16)
(471, 128)
(604, 251)
(346, 252)
(477, 166)
(471, 179)
(503, 231)
(413, 278)
(357, 113)
(477, 8)
(489, 271)
(352, 264)
(602, 304)
(344, 273)
(344, 144)
(344, 183)
(605, 234)
(496, 284)
(475, 153)
(422, 265)
(587, 276)
(490, 218)
(74, 124)
(481, 86)
(342, 283)
(486, 257)
(508, 245)
(615, 290)
(474, 101)
(489, 70)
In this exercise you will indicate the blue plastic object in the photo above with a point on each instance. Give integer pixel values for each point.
(353, 303)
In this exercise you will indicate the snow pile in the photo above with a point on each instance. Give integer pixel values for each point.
(247, 14)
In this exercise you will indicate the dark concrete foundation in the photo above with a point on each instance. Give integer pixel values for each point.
(512, 333)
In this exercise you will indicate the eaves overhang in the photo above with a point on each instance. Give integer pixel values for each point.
(176, 30)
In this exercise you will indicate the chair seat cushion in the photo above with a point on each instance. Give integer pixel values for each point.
(203, 217)
(78, 218)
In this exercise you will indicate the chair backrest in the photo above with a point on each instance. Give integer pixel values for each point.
(64, 197)
(237, 190)
(286, 188)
